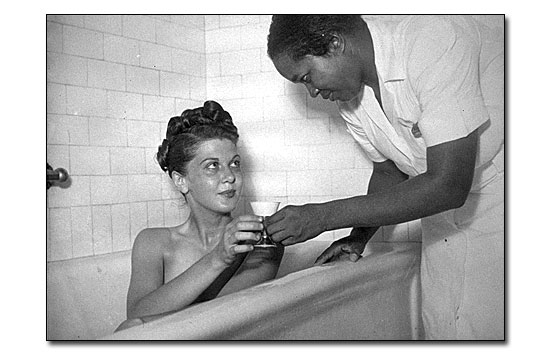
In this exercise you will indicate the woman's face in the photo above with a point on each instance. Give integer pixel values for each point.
(214, 176)
(334, 77)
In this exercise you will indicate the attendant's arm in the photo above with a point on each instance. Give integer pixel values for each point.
(384, 175)
(445, 185)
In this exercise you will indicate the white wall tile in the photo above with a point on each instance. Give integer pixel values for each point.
(83, 42)
(223, 88)
(74, 20)
(244, 110)
(332, 156)
(121, 49)
(102, 229)
(55, 98)
(213, 65)
(155, 213)
(262, 84)
(109, 189)
(66, 69)
(89, 160)
(151, 164)
(104, 23)
(86, 101)
(171, 34)
(124, 105)
(175, 85)
(144, 188)
(223, 39)
(108, 75)
(155, 56)
(142, 80)
(107, 132)
(64, 129)
(237, 20)
(77, 194)
(175, 213)
(258, 184)
(240, 62)
(254, 36)
(252, 159)
(309, 183)
(306, 132)
(121, 239)
(82, 232)
(138, 219)
(349, 182)
(195, 21)
(287, 158)
(285, 108)
(211, 22)
(58, 156)
(125, 161)
(54, 37)
(143, 133)
(198, 88)
(156, 108)
(139, 27)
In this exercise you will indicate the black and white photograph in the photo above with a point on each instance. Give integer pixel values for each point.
(275, 177)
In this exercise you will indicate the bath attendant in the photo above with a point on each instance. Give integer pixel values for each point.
(211, 254)
(424, 98)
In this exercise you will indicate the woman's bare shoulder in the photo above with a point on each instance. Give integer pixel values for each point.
(152, 239)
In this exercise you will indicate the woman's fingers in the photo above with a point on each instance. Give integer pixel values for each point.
(241, 248)
(245, 236)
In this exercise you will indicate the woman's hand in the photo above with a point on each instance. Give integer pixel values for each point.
(347, 248)
(237, 232)
(294, 224)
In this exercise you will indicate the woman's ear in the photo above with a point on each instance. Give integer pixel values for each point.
(336, 44)
(180, 182)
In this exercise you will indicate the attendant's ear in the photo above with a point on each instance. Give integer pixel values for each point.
(180, 182)
(336, 44)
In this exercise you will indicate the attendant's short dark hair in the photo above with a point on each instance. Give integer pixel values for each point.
(301, 35)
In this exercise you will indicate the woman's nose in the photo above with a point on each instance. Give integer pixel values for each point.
(314, 92)
(228, 175)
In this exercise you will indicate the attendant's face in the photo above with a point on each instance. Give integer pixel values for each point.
(213, 177)
(333, 76)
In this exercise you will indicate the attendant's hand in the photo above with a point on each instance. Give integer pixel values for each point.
(242, 228)
(295, 224)
(347, 248)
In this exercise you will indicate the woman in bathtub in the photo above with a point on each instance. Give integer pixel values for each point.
(211, 254)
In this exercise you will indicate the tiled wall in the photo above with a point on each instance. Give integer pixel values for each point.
(112, 84)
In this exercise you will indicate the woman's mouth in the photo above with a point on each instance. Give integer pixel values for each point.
(228, 194)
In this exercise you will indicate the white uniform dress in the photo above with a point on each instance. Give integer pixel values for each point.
(441, 78)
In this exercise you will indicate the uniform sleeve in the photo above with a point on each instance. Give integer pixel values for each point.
(443, 64)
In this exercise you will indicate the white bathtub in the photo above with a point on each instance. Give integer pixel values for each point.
(376, 298)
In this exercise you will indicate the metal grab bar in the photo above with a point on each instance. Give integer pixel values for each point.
(59, 175)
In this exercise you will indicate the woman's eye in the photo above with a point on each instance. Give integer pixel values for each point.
(235, 163)
(212, 166)
(306, 79)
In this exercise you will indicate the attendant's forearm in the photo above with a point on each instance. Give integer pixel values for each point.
(412, 199)
(180, 292)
